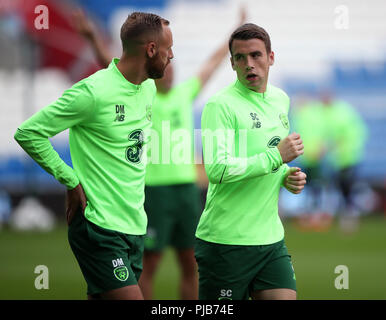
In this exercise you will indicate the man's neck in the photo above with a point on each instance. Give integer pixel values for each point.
(162, 90)
(132, 68)
(260, 89)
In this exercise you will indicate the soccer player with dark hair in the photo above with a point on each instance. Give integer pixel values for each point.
(108, 117)
(240, 247)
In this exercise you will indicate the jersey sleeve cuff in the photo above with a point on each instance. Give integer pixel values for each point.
(72, 184)
(275, 157)
(285, 169)
(69, 178)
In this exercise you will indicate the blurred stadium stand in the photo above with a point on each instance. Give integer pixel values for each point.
(310, 50)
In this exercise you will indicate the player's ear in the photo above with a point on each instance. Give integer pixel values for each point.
(232, 63)
(151, 49)
(271, 58)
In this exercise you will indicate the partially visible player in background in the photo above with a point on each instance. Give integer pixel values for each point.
(334, 135)
(307, 120)
(89, 30)
(107, 114)
(240, 248)
(172, 200)
(346, 134)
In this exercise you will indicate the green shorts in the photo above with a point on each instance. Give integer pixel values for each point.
(173, 213)
(108, 259)
(233, 271)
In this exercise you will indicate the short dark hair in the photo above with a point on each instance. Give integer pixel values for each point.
(139, 27)
(250, 31)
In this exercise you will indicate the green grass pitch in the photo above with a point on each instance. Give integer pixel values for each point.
(314, 255)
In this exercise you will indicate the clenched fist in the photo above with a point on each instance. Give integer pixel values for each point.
(295, 180)
(291, 147)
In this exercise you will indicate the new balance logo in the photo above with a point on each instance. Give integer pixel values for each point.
(120, 112)
(256, 124)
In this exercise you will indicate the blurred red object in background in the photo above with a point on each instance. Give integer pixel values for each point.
(60, 46)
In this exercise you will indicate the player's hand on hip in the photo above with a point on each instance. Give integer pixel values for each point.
(76, 199)
(295, 180)
(291, 147)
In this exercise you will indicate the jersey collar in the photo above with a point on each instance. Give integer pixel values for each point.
(130, 86)
(253, 94)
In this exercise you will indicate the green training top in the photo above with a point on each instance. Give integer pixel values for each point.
(109, 124)
(307, 120)
(244, 166)
(346, 134)
(171, 150)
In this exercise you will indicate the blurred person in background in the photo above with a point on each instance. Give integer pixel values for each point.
(346, 135)
(307, 119)
(172, 198)
(107, 114)
(334, 135)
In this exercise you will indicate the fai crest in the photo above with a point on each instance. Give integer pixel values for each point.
(121, 273)
(284, 120)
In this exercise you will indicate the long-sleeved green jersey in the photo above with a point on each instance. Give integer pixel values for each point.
(109, 124)
(240, 133)
(171, 160)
